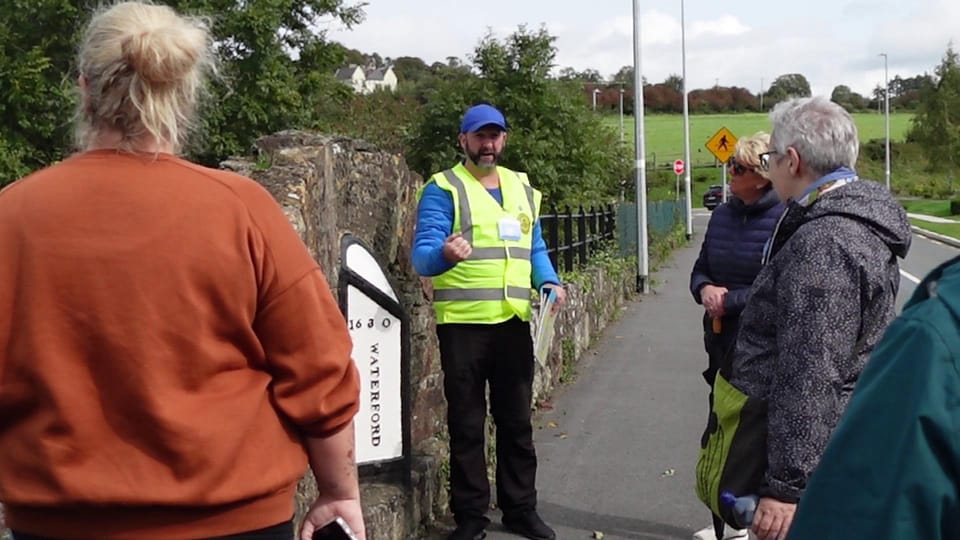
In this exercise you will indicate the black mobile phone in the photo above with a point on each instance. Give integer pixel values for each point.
(335, 530)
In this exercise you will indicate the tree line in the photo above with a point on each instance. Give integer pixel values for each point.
(667, 96)
(277, 73)
(570, 152)
(932, 146)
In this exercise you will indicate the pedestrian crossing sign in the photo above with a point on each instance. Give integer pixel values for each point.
(722, 144)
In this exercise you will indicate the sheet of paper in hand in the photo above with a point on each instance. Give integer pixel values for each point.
(545, 326)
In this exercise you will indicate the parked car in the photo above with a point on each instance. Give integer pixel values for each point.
(713, 197)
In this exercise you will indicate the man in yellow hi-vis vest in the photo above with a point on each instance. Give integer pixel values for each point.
(478, 236)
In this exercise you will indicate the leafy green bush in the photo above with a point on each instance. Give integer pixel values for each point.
(955, 207)
(262, 89)
(568, 152)
(382, 118)
(938, 115)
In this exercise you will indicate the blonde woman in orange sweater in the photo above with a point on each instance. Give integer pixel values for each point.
(171, 357)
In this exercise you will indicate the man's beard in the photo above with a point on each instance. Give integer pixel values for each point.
(488, 163)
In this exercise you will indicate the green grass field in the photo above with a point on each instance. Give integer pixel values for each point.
(664, 142)
(928, 207)
(948, 229)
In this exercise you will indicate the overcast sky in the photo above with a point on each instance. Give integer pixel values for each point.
(735, 43)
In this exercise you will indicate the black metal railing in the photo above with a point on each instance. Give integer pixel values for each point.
(573, 235)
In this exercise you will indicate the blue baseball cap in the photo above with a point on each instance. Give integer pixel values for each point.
(480, 116)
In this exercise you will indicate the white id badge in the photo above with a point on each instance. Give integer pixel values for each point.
(509, 229)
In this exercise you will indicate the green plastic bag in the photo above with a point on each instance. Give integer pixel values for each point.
(733, 449)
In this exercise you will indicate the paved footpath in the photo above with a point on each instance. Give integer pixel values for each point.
(620, 458)
(932, 219)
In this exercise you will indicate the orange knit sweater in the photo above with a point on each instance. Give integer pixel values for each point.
(165, 342)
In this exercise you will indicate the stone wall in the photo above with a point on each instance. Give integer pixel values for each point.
(329, 186)
(592, 303)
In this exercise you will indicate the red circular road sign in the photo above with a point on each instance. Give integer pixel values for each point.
(678, 166)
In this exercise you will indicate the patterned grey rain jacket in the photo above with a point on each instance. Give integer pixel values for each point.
(815, 312)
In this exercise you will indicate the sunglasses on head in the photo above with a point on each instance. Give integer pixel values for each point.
(737, 168)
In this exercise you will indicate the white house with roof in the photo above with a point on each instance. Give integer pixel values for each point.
(365, 81)
(353, 77)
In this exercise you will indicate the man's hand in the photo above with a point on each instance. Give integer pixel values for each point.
(772, 519)
(456, 248)
(561, 295)
(325, 511)
(712, 298)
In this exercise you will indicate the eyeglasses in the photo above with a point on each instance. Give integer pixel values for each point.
(737, 168)
(765, 159)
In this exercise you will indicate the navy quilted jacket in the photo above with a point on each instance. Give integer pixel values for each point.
(733, 248)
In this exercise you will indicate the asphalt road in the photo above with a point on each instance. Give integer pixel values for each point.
(925, 255)
(618, 448)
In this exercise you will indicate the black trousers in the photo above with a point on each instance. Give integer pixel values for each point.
(473, 355)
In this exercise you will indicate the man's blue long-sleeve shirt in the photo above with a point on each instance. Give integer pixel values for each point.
(435, 223)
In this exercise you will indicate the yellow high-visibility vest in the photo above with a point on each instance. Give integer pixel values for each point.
(493, 284)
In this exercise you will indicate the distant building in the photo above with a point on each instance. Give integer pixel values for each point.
(379, 78)
(353, 77)
(365, 81)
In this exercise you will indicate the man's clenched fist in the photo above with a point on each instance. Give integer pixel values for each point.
(456, 249)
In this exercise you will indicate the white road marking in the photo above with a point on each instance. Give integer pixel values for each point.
(909, 276)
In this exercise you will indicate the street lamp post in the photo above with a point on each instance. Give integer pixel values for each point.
(686, 125)
(761, 94)
(640, 164)
(886, 119)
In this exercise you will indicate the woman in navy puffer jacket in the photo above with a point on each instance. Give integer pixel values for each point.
(732, 250)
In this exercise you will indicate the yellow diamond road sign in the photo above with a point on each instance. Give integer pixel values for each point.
(722, 144)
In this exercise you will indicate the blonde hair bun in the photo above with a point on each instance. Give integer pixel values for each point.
(144, 67)
(164, 55)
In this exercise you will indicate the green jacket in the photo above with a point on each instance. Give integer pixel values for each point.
(892, 467)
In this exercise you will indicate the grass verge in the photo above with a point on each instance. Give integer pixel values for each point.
(947, 229)
(928, 207)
